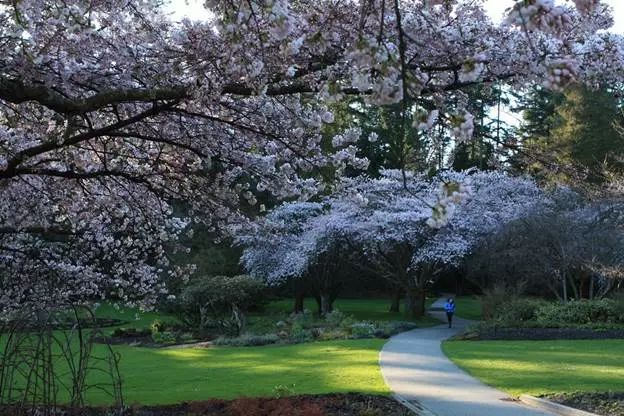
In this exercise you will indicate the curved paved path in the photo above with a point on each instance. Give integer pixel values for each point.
(418, 372)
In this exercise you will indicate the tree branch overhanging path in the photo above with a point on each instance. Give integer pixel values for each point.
(417, 371)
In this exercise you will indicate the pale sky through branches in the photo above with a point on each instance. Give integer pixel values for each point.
(496, 8)
(195, 10)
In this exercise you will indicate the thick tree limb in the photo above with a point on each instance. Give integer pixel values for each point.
(16, 92)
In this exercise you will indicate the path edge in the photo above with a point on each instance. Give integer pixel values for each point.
(553, 407)
(419, 409)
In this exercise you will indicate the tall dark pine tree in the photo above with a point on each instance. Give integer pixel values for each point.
(489, 130)
(571, 137)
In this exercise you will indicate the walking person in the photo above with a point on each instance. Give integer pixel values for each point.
(449, 307)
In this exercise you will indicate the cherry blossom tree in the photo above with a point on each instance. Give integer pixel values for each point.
(571, 247)
(385, 226)
(112, 115)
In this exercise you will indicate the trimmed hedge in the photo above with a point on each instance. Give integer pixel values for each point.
(580, 312)
(526, 312)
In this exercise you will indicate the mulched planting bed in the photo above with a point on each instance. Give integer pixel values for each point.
(351, 404)
(544, 334)
(147, 342)
(607, 404)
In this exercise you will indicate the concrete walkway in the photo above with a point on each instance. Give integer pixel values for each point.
(419, 373)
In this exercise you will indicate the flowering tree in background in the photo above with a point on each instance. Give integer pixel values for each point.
(571, 247)
(388, 223)
(110, 113)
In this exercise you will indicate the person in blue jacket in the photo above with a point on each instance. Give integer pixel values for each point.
(449, 307)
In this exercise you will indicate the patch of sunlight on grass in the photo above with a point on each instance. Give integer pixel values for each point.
(163, 376)
(541, 367)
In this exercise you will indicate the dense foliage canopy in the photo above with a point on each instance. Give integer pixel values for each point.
(119, 127)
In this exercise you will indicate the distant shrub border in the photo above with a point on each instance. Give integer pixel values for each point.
(534, 319)
(336, 330)
(489, 333)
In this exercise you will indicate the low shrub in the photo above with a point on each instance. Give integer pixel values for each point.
(299, 335)
(536, 313)
(493, 301)
(579, 312)
(165, 337)
(388, 329)
(186, 337)
(518, 310)
(331, 334)
(218, 302)
(618, 302)
(282, 390)
(247, 340)
(304, 319)
(157, 326)
(130, 332)
(335, 318)
(363, 330)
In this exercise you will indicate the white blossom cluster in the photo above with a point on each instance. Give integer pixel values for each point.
(472, 68)
(111, 114)
(424, 121)
(541, 15)
(560, 73)
(385, 212)
(462, 126)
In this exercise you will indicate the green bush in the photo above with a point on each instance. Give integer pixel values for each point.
(157, 326)
(165, 337)
(618, 300)
(493, 301)
(518, 310)
(187, 337)
(335, 318)
(219, 302)
(332, 334)
(363, 330)
(304, 319)
(580, 312)
(247, 340)
(388, 329)
(130, 332)
(281, 390)
(298, 334)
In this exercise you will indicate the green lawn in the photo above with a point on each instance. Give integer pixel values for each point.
(162, 376)
(468, 307)
(360, 309)
(159, 376)
(540, 367)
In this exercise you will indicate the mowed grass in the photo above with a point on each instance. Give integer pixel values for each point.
(360, 309)
(541, 367)
(468, 307)
(162, 376)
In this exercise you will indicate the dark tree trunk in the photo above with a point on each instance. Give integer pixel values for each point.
(459, 284)
(298, 306)
(584, 288)
(415, 303)
(396, 301)
(332, 298)
(325, 304)
(319, 306)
